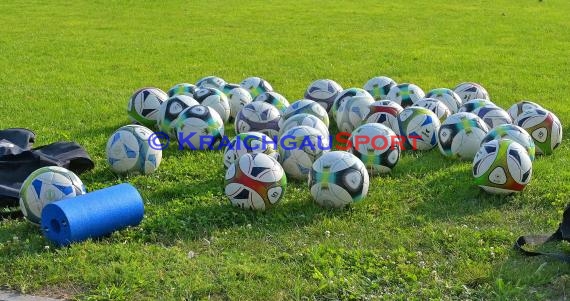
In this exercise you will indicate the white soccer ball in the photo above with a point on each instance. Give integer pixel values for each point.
(448, 97)
(405, 94)
(385, 112)
(436, 106)
(238, 98)
(299, 147)
(260, 117)
(144, 105)
(502, 167)
(249, 143)
(493, 116)
(182, 89)
(47, 185)
(213, 82)
(460, 135)
(256, 85)
(275, 99)
(306, 106)
(255, 181)
(324, 92)
(130, 151)
(199, 128)
(419, 127)
(468, 91)
(473, 104)
(521, 107)
(376, 146)
(169, 111)
(214, 99)
(338, 179)
(544, 128)
(515, 133)
(344, 96)
(304, 119)
(379, 87)
(353, 112)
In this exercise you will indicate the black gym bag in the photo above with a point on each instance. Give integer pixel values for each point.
(562, 234)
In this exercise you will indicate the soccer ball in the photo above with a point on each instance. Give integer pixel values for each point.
(144, 105)
(344, 95)
(130, 151)
(353, 112)
(460, 135)
(419, 127)
(515, 133)
(520, 107)
(198, 128)
(502, 167)
(249, 143)
(228, 87)
(437, 107)
(468, 91)
(306, 106)
(213, 82)
(256, 85)
(47, 185)
(385, 112)
(544, 128)
(473, 104)
(182, 89)
(255, 181)
(169, 110)
(275, 99)
(405, 94)
(304, 119)
(379, 87)
(448, 97)
(338, 179)
(299, 147)
(214, 99)
(258, 117)
(376, 146)
(324, 92)
(493, 115)
(238, 98)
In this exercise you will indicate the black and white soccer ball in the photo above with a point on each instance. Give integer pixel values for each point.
(144, 105)
(493, 116)
(199, 128)
(214, 82)
(214, 99)
(376, 146)
(169, 111)
(260, 117)
(469, 90)
(324, 92)
(521, 107)
(460, 135)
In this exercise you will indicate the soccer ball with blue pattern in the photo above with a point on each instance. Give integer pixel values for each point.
(344, 96)
(299, 147)
(238, 98)
(448, 97)
(306, 106)
(515, 133)
(182, 89)
(304, 119)
(214, 99)
(353, 112)
(436, 106)
(493, 116)
(198, 128)
(473, 104)
(324, 92)
(260, 117)
(256, 85)
(211, 82)
(419, 127)
(338, 179)
(130, 151)
(469, 90)
(169, 111)
(249, 143)
(376, 146)
(460, 135)
(405, 94)
(47, 185)
(379, 87)
(275, 99)
(144, 105)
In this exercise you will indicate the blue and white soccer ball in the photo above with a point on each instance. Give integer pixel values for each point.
(379, 87)
(214, 99)
(304, 119)
(182, 89)
(47, 185)
(198, 128)
(448, 97)
(324, 92)
(144, 105)
(169, 110)
(275, 99)
(344, 96)
(520, 107)
(260, 117)
(469, 90)
(299, 147)
(473, 104)
(211, 82)
(256, 85)
(249, 143)
(238, 98)
(419, 127)
(130, 151)
(353, 112)
(436, 106)
(377, 146)
(306, 106)
(493, 116)
(385, 112)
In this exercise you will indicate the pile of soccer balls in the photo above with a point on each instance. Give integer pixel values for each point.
(275, 139)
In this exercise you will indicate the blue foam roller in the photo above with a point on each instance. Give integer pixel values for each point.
(92, 215)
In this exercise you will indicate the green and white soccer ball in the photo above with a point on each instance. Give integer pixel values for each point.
(255, 181)
(436, 106)
(448, 97)
(419, 127)
(275, 99)
(324, 92)
(144, 105)
(460, 135)
(249, 143)
(304, 119)
(130, 149)
(405, 94)
(299, 147)
(238, 98)
(256, 85)
(198, 128)
(544, 128)
(353, 112)
(515, 133)
(473, 104)
(338, 179)
(47, 185)
(182, 89)
(469, 90)
(169, 111)
(379, 87)
(306, 106)
(214, 99)
(502, 167)
(376, 146)
(213, 82)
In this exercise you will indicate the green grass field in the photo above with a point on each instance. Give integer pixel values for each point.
(424, 231)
